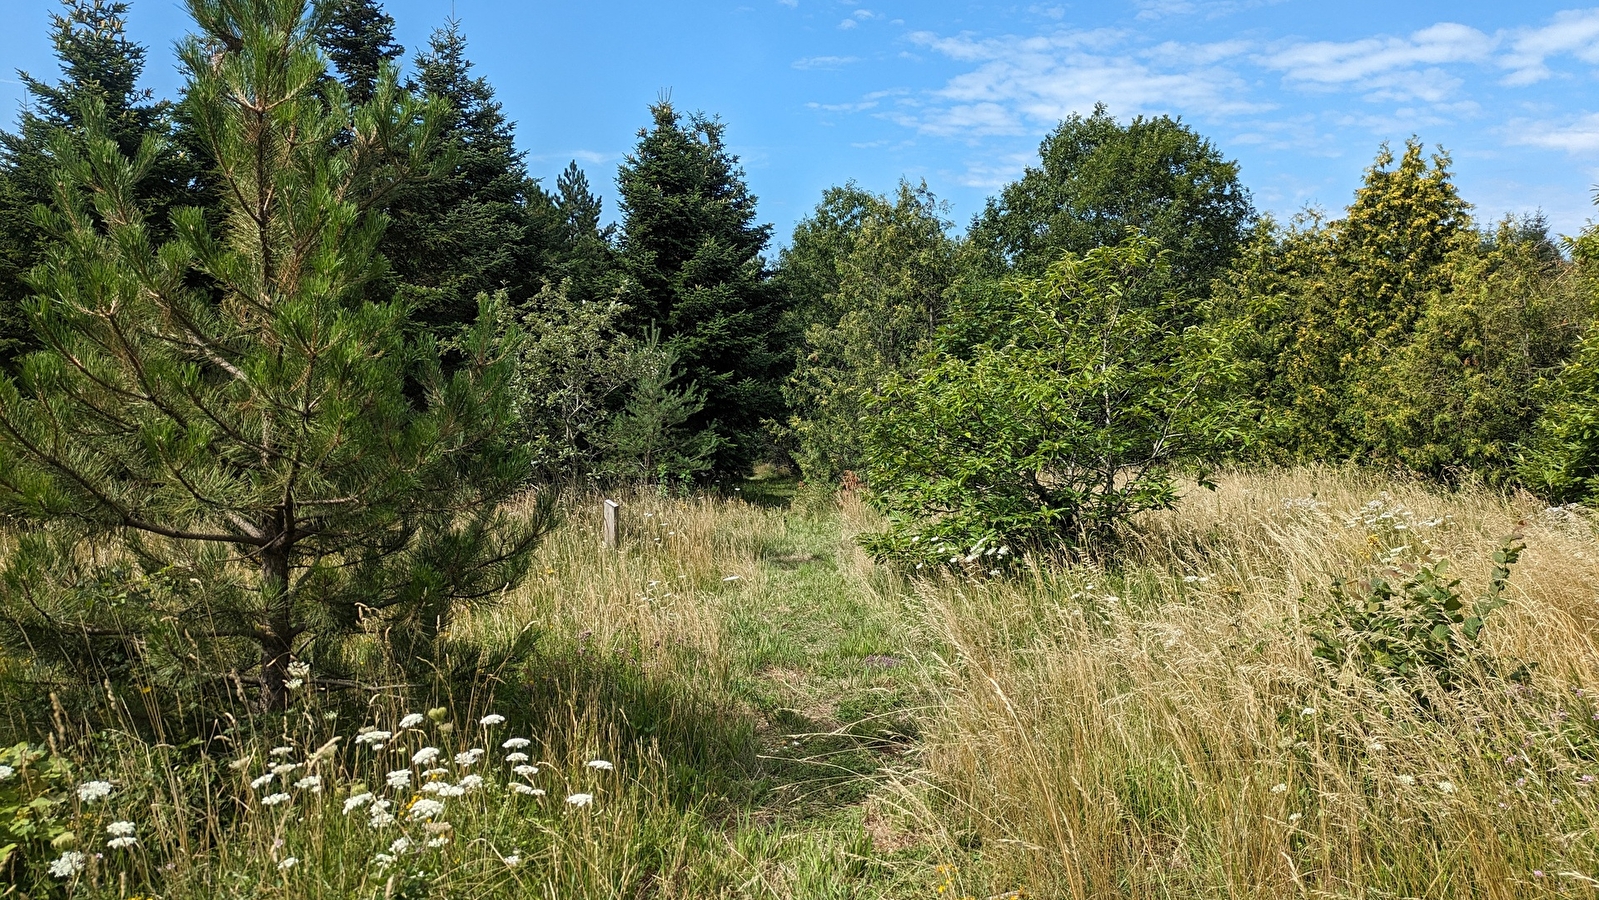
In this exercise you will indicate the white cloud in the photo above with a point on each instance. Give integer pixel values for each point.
(1578, 136)
(847, 24)
(1380, 61)
(824, 62)
(1574, 31)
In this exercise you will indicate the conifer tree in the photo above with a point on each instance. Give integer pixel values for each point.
(479, 225)
(98, 63)
(257, 469)
(359, 41)
(692, 247)
(585, 259)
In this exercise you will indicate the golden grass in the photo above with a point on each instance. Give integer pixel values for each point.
(1134, 734)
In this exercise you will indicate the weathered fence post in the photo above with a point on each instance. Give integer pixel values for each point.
(613, 524)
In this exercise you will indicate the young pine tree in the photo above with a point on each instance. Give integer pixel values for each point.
(230, 477)
(98, 63)
(691, 246)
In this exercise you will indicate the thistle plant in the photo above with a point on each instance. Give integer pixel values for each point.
(226, 456)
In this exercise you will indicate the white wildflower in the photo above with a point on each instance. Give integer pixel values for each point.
(312, 783)
(1295, 817)
(433, 787)
(425, 756)
(526, 789)
(434, 773)
(1405, 779)
(1374, 747)
(1447, 787)
(120, 829)
(6, 772)
(469, 757)
(438, 841)
(411, 720)
(425, 809)
(1279, 788)
(600, 764)
(526, 771)
(383, 860)
(451, 790)
(513, 860)
(91, 791)
(471, 782)
(262, 782)
(122, 843)
(274, 799)
(491, 719)
(399, 778)
(284, 768)
(69, 864)
(400, 845)
(280, 751)
(374, 737)
(516, 757)
(516, 743)
(288, 863)
(580, 799)
(1308, 711)
(356, 802)
(381, 818)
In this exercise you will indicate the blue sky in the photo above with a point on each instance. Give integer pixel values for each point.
(816, 92)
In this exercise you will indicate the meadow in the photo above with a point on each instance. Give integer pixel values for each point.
(739, 703)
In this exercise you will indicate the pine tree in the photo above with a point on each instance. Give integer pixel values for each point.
(98, 62)
(261, 467)
(585, 259)
(359, 41)
(481, 225)
(691, 246)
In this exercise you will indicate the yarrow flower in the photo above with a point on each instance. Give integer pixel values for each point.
(469, 757)
(356, 802)
(90, 791)
(274, 799)
(600, 764)
(425, 809)
(411, 720)
(69, 864)
(580, 799)
(491, 719)
(516, 743)
(425, 756)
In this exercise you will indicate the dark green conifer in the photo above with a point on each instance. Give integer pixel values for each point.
(692, 247)
(359, 41)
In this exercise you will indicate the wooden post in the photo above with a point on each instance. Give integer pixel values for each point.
(613, 524)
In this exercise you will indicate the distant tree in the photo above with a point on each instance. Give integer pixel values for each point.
(878, 271)
(691, 246)
(1096, 178)
(1462, 394)
(480, 225)
(651, 438)
(1561, 461)
(232, 478)
(359, 41)
(100, 64)
(585, 260)
(1077, 413)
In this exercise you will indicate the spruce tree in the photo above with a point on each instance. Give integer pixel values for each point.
(479, 225)
(98, 63)
(585, 260)
(221, 432)
(692, 247)
(359, 41)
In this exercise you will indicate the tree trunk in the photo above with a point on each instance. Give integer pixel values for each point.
(277, 632)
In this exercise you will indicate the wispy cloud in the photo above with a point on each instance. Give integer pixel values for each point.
(1577, 136)
(1574, 32)
(825, 62)
(1389, 68)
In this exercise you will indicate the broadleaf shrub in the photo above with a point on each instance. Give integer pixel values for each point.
(1079, 412)
(1402, 628)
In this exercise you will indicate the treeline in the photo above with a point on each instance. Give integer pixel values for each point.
(294, 338)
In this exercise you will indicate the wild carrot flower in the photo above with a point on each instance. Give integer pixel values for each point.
(399, 778)
(580, 799)
(491, 719)
(516, 743)
(275, 799)
(280, 751)
(284, 768)
(356, 802)
(526, 771)
(600, 764)
(425, 809)
(425, 756)
(312, 783)
(526, 789)
(513, 860)
(90, 791)
(1405, 779)
(469, 757)
(471, 782)
(375, 738)
(1448, 787)
(400, 845)
(121, 835)
(262, 782)
(1279, 788)
(516, 757)
(411, 720)
(68, 864)
(6, 772)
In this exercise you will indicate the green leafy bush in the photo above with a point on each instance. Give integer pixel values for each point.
(34, 814)
(1402, 627)
(1075, 415)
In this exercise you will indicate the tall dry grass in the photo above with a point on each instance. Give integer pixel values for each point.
(1162, 730)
